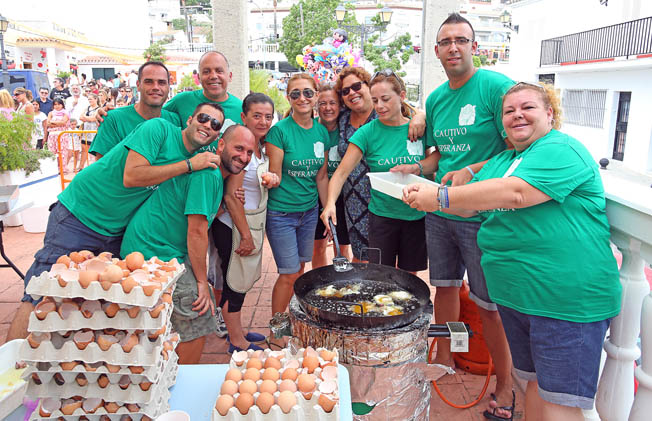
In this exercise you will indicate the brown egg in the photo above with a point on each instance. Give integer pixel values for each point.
(83, 338)
(244, 402)
(122, 264)
(252, 374)
(289, 374)
(239, 357)
(87, 254)
(135, 260)
(90, 405)
(110, 309)
(306, 383)
(145, 386)
(132, 311)
(268, 386)
(229, 387)
(224, 403)
(150, 287)
(154, 335)
(96, 265)
(288, 385)
(125, 273)
(168, 346)
(88, 276)
(106, 285)
(272, 362)
(136, 369)
(93, 366)
(255, 363)
(168, 268)
(58, 379)
(132, 407)
(265, 402)
(164, 353)
(271, 374)
(124, 382)
(248, 386)
(64, 260)
(166, 297)
(61, 281)
(105, 255)
(327, 355)
(327, 402)
(311, 363)
(233, 374)
(111, 407)
(129, 342)
(67, 366)
(65, 309)
(81, 380)
(106, 341)
(43, 309)
(112, 274)
(286, 400)
(69, 406)
(76, 257)
(156, 310)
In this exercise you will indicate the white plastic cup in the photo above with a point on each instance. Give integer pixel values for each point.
(174, 416)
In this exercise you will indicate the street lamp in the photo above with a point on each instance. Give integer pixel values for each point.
(4, 24)
(506, 20)
(364, 29)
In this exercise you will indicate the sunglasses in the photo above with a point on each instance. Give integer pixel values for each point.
(216, 124)
(355, 87)
(388, 73)
(307, 93)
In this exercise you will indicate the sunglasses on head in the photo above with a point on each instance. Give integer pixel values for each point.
(355, 87)
(388, 73)
(216, 124)
(307, 93)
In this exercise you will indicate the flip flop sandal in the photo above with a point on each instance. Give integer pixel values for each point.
(271, 344)
(492, 415)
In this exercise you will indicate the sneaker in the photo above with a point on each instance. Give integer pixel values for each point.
(253, 337)
(220, 330)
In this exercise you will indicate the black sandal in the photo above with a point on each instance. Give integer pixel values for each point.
(492, 415)
(270, 344)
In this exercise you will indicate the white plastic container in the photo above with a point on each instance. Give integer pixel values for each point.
(392, 183)
(9, 354)
(35, 219)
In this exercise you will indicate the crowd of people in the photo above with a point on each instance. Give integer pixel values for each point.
(520, 206)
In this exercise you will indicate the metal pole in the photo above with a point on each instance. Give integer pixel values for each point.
(5, 73)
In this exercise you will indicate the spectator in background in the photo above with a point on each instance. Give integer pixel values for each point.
(41, 125)
(6, 104)
(44, 102)
(58, 121)
(89, 123)
(115, 93)
(59, 91)
(129, 97)
(82, 82)
(120, 102)
(195, 77)
(74, 146)
(104, 97)
(116, 80)
(24, 99)
(93, 86)
(133, 83)
(77, 103)
(73, 79)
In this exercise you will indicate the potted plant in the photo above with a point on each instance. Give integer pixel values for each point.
(34, 171)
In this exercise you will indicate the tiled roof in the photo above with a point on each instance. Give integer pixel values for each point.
(98, 60)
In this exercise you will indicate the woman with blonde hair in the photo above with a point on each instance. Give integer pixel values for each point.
(24, 99)
(7, 105)
(295, 147)
(546, 256)
(394, 228)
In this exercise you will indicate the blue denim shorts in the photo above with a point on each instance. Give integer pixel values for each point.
(453, 249)
(291, 237)
(65, 234)
(562, 356)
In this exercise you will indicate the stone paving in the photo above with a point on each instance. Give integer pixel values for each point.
(459, 388)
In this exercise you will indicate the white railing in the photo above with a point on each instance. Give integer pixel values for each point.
(263, 48)
(629, 209)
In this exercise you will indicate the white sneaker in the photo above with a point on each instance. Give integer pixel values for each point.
(220, 330)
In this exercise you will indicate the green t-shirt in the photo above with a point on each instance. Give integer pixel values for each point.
(384, 147)
(160, 226)
(552, 259)
(97, 196)
(303, 157)
(184, 103)
(117, 124)
(465, 124)
(334, 157)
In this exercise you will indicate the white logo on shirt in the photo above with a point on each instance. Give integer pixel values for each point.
(319, 149)
(333, 155)
(467, 115)
(415, 148)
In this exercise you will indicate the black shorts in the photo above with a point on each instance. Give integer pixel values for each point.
(223, 239)
(341, 228)
(399, 239)
(86, 142)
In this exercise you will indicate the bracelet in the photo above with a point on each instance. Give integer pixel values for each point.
(470, 170)
(189, 166)
(442, 197)
(420, 168)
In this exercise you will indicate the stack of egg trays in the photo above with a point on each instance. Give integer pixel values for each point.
(159, 370)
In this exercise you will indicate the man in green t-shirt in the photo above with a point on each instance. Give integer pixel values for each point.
(464, 124)
(154, 86)
(94, 210)
(186, 205)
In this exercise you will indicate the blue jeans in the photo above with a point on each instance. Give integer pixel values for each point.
(65, 234)
(291, 237)
(562, 356)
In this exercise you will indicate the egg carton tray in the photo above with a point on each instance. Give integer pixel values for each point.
(112, 392)
(47, 370)
(47, 285)
(53, 322)
(285, 355)
(304, 410)
(152, 410)
(146, 353)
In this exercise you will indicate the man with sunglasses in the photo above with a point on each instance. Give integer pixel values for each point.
(187, 204)
(94, 210)
(44, 102)
(464, 120)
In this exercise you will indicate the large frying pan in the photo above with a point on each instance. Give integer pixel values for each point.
(360, 272)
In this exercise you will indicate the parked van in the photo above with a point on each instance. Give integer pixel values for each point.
(30, 79)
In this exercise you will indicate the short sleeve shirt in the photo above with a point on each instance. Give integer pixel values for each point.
(384, 147)
(183, 104)
(334, 157)
(97, 196)
(552, 259)
(117, 124)
(303, 157)
(160, 226)
(465, 124)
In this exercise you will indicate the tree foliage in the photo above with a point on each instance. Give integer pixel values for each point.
(258, 82)
(179, 24)
(155, 52)
(187, 83)
(318, 23)
(391, 56)
(15, 150)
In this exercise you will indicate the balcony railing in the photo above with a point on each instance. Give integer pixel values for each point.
(263, 48)
(621, 40)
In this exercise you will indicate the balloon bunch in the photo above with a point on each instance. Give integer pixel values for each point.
(323, 62)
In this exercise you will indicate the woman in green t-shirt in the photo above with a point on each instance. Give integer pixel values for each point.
(296, 149)
(394, 228)
(545, 253)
